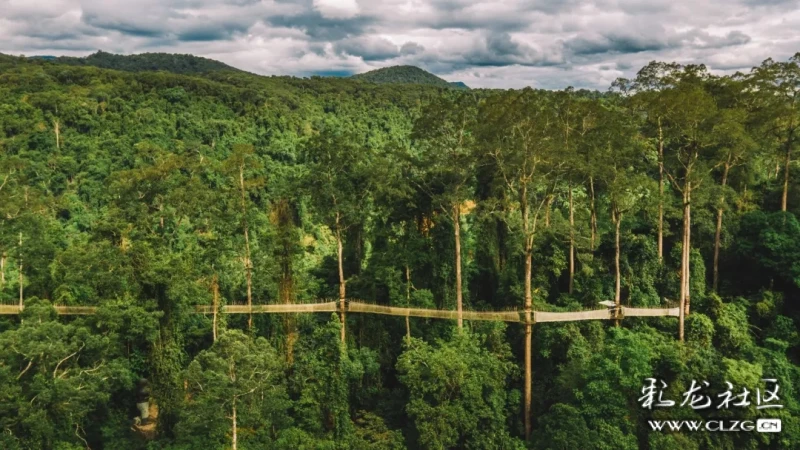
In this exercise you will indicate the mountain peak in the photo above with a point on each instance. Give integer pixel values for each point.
(407, 74)
(176, 63)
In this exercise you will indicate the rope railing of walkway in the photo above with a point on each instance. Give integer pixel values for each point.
(368, 308)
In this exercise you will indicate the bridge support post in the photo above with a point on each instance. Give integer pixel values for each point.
(617, 314)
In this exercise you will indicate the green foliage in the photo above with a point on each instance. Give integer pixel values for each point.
(56, 378)
(237, 375)
(456, 394)
(768, 244)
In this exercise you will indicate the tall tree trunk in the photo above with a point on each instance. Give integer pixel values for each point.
(215, 292)
(618, 276)
(234, 440)
(660, 192)
(57, 129)
(528, 314)
(457, 232)
(685, 252)
(684, 257)
(718, 232)
(688, 247)
(408, 285)
(19, 275)
(594, 213)
(785, 197)
(408, 298)
(528, 343)
(547, 212)
(571, 242)
(528, 374)
(248, 265)
(2, 270)
(342, 289)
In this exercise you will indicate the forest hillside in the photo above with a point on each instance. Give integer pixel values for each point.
(406, 74)
(182, 64)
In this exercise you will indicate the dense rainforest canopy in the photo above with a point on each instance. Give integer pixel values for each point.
(146, 193)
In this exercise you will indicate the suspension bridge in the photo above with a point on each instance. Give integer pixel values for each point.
(355, 306)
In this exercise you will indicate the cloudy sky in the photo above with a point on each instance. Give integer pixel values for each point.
(503, 44)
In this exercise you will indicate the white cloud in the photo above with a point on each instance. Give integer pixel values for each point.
(493, 43)
(337, 9)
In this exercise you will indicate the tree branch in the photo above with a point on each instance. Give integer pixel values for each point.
(25, 370)
(66, 358)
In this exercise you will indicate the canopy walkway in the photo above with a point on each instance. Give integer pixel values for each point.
(368, 308)
(528, 318)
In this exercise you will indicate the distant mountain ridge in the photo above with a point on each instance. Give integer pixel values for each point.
(176, 63)
(407, 74)
(197, 65)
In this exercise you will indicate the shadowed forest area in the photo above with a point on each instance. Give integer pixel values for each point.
(146, 193)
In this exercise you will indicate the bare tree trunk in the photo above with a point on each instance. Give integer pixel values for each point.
(342, 289)
(3, 270)
(408, 285)
(685, 254)
(234, 440)
(681, 317)
(215, 291)
(547, 212)
(248, 266)
(57, 129)
(594, 213)
(528, 374)
(688, 246)
(528, 233)
(617, 282)
(571, 242)
(528, 341)
(784, 199)
(660, 192)
(457, 231)
(408, 298)
(718, 232)
(19, 275)
(684, 258)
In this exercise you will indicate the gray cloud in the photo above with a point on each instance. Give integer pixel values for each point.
(210, 31)
(318, 27)
(135, 28)
(733, 38)
(370, 49)
(501, 50)
(411, 48)
(616, 43)
(494, 43)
